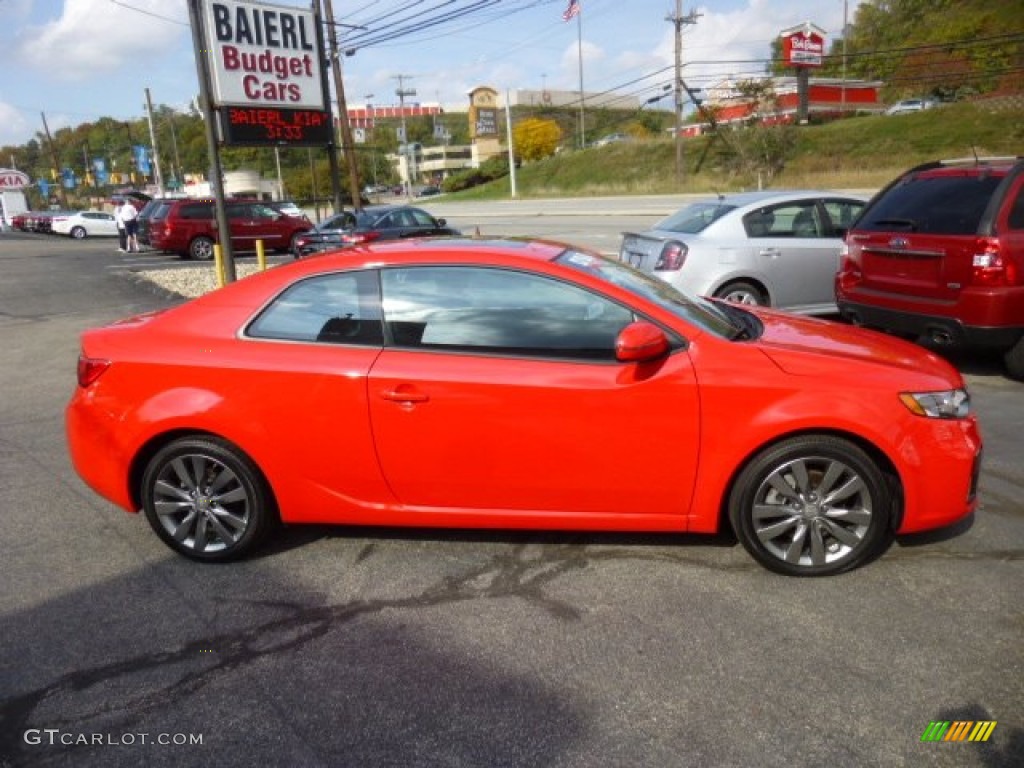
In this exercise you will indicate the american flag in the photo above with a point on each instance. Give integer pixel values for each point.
(571, 10)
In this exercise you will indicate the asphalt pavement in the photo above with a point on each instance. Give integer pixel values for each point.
(385, 647)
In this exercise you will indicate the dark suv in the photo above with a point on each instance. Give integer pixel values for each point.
(939, 254)
(188, 227)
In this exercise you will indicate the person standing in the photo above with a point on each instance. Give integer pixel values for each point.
(130, 217)
(122, 236)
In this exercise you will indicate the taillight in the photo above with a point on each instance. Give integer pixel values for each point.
(672, 257)
(354, 238)
(90, 369)
(990, 267)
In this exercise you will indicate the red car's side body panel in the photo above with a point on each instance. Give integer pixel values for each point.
(537, 435)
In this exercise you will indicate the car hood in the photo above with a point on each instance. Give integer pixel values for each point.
(797, 345)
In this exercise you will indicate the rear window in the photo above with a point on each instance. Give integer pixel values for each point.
(159, 212)
(693, 218)
(939, 205)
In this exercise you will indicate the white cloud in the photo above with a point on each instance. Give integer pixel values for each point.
(13, 127)
(92, 37)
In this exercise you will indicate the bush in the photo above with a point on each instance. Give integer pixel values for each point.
(489, 170)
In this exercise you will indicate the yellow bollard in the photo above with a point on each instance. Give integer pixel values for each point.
(218, 263)
(261, 256)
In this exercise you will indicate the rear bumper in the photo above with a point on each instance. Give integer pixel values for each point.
(940, 328)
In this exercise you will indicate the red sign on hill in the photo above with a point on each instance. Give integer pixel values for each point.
(803, 46)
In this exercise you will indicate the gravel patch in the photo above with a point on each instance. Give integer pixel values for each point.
(191, 282)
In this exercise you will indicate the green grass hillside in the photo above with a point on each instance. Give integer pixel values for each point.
(861, 152)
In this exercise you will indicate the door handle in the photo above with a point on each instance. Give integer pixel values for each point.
(772, 252)
(400, 395)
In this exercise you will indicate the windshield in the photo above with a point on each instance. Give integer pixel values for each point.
(699, 312)
(694, 218)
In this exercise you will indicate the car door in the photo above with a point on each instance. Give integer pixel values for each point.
(270, 226)
(790, 248)
(243, 227)
(498, 392)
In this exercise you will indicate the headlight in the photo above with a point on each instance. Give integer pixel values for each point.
(954, 404)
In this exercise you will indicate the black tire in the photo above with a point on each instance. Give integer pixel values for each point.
(78, 233)
(811, 506)
(742, 292)
(201, 249)
(207, 500)
(1013, 359)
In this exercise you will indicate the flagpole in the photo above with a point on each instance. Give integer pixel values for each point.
(579, 48)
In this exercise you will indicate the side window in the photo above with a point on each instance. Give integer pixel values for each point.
(421, 218)
(197, 211)
(239, 211)
(759, 223)
(264, 212)
(799, 219)
(842, 214)
(478, 309)
(340, 309)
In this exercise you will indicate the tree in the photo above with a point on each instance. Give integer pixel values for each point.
(757, 152)
(535, 138)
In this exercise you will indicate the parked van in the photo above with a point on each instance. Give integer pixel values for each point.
(188, 227)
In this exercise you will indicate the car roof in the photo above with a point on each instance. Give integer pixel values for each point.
(458, 249)
(967, 166)
(739, 199)
(385, 208)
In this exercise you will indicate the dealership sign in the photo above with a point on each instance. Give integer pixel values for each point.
(263, 55)
(803, 46)
(12, 179)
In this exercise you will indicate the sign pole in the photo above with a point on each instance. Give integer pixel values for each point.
(332, 145)
(216, 173)
(347, 145)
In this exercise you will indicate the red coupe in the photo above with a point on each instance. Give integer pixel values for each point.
(513, 384)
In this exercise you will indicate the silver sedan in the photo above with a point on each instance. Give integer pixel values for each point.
(773, 248)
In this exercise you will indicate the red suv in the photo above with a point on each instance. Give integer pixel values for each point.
(189, 227)
(939, 254)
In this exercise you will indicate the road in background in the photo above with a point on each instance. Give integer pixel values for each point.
(596, 222)
(406, 648)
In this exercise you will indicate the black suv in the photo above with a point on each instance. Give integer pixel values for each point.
(939, 254)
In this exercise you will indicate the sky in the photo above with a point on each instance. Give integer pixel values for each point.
(79, 60)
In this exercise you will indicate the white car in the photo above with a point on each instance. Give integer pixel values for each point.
(773, 248)
(80, 224)
(909, 105)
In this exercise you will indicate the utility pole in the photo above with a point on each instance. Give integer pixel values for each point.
(157, 176)
(347, 145)
(56, 163)
(679, 21)
(401, 93)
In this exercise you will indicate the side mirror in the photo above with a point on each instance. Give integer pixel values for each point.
(641, 342)
(441, 223)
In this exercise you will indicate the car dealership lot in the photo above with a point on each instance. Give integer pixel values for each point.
(405, 648)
